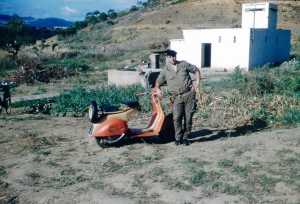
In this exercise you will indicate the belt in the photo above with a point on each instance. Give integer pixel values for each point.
(181, 93)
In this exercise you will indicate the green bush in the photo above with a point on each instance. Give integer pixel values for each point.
(284, 79)
(7, 64)
(296, 49)
(76, 101)
(268, 94)
(291, 116)
(133, 8)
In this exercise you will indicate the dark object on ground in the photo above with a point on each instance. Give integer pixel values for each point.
(5, 96)
(43, 107)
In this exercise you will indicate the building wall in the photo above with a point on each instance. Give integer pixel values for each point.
(180, 46)
(259, 15)
(269, 46)
(123, 78)
(258, 41)
(229, 47)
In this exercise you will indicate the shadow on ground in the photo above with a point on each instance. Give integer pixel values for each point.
(205, 135)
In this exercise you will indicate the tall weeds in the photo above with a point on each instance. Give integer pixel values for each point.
(267, 94)
(76, 101)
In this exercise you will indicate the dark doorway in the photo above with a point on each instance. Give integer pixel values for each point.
(206, 55)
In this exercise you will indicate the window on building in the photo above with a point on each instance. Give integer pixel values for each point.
(234, 39)
(220, 39)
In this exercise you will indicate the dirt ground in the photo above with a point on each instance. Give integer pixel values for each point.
(52, 160)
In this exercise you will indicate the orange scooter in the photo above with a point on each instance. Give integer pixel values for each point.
(108, 128)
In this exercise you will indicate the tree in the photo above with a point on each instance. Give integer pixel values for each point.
(103, 16)
(93, 20)
(142, 3)
(149, 3)
(112, 14)
(15, 27)
(96, 13)
(79, 25)
(13, 48)
(133, 8)
(88, 14)
(16, 33)
(153, 3)
(16, 24)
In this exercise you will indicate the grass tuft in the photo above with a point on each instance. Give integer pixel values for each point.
(2, 171)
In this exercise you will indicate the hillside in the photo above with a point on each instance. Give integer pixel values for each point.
(50, 23)
(38, 23)
(133, 36)
(130, 38)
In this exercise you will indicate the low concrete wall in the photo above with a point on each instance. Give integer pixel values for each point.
(123, 78)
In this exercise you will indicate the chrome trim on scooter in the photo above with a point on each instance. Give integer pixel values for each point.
(116, 140)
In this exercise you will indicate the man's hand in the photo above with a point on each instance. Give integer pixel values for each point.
(195, 88)
(197, 81)
(157, 92)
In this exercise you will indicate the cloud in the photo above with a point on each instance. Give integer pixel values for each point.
(69, 11)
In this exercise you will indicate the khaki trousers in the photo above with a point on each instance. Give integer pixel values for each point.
(184, 107)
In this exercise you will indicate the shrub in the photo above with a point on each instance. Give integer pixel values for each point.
(76, 101)
(284, 79)
(291, 116)
(269, 95)
(7, 64)
(63, 33)
(133, 8)
(296, 49)
(237, 78)
(112, 14)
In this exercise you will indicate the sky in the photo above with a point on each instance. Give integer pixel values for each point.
(68, 9)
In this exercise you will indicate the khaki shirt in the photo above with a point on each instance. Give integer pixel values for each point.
(178, 81)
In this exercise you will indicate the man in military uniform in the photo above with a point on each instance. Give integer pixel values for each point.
(177, 76)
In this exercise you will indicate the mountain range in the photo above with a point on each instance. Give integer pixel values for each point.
(39, 22)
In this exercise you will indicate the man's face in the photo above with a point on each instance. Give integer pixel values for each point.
(171, 60)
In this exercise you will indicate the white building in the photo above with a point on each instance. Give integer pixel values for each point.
(256, 43)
